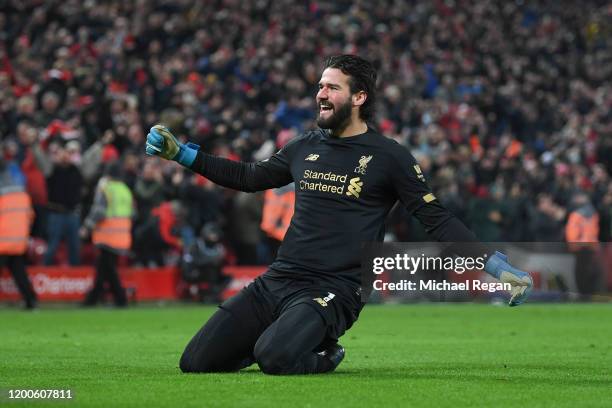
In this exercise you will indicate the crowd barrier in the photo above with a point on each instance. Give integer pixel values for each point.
(66, 284)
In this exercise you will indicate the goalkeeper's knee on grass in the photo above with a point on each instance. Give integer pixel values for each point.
(521, 281)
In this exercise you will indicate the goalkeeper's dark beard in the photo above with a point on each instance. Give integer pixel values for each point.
(339, 120)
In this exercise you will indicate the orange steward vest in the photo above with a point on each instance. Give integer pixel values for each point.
(581, 229)
(16, 217)
(115, 230)
(277, 212)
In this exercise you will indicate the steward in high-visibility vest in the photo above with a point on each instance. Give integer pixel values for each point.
(110, 220)
(582, 227)
(582, 236)
(16, 217)
(115, 229)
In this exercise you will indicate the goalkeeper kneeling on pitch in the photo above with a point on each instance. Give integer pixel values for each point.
(347, 177)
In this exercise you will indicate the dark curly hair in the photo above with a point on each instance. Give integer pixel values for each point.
(362, 76)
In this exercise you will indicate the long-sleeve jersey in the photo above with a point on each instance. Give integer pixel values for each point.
(344, 189)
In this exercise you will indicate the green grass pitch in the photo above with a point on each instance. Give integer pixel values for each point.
(410, 355)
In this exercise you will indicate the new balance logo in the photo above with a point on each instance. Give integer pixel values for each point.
(354, 188)
(312, 157)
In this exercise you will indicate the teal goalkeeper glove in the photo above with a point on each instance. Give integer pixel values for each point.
(161, 142)
(520, 281)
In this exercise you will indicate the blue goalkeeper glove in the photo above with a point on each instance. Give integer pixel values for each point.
(520, 281)
(161, 142)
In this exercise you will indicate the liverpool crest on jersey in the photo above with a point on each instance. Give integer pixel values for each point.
(363, 164)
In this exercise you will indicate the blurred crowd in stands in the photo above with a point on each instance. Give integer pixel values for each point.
(507, 106)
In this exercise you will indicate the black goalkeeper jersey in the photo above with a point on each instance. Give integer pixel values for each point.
(344, 189)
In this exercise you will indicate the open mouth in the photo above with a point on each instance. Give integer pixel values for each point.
(325, 107)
